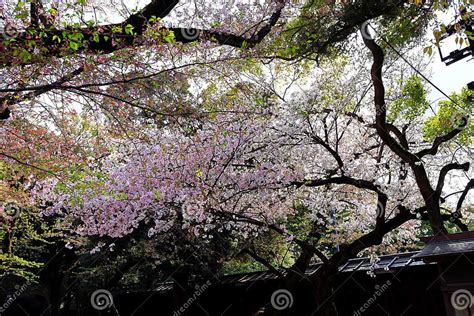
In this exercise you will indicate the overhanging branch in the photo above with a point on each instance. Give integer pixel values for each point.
(445, 170)
(105, 39)
(438, 142)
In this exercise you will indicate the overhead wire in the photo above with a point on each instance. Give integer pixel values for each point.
(414, 68)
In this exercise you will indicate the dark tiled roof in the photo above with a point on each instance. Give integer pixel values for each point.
(454, 244)
(437, 246)
(385, 263)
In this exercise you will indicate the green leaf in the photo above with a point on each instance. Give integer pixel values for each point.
(169, 38)
(428, 50)
(74, 45)
(129, 29)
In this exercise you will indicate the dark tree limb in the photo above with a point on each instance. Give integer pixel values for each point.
(429, 194)
(374, 237)
(263, 261)
(318, 140)
(453, 219)
(445, 170)
(381, 125)
(457, 215)
(103, 40)
(37, 14)
(359, 183)
(17, 97)
(468, 187)
(438, 142)
(242, 218)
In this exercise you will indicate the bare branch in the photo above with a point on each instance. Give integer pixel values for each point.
(17, 97)
(263, 261)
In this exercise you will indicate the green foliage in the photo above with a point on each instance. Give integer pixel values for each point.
(22, 244)
(402, 26)
(412, 103)
(451, 116)
(322, 26)
(5, 170)
(129, 29)
(270, 246)
(13, 265)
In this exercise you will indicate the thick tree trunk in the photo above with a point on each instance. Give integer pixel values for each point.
(431, 200)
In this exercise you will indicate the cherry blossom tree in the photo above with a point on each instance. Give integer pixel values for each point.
(224, 130)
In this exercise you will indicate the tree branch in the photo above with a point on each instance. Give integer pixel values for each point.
(246, 219)
(422, 180)
(264, 262)
(104, 40)
(38, 14)
(17, 97)
(468, 187)
(359, 183)
(445, 170)
(383, 129)
(374, 237)
(438, 142)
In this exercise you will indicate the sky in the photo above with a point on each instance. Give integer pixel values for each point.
(455, 76)
(450, 78)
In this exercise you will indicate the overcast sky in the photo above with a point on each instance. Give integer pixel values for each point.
(451, 78)
(455, 76)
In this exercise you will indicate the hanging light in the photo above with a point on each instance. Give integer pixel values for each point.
(459, 54)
